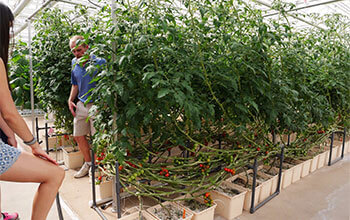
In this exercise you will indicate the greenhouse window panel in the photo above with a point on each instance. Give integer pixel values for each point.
(24, 9)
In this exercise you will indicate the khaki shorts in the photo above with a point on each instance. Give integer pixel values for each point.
(82, 126)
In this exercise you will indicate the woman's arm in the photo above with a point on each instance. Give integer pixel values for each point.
(8, 109)
(11, 139)
(13, 119)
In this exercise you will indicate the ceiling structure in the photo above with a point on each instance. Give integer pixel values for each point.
(316, 6)
(304, 7)
(25, 9)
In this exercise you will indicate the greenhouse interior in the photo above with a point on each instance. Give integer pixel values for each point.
(193, 109)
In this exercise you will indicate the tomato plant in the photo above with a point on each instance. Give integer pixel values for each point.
(194, 90)
(19, 76)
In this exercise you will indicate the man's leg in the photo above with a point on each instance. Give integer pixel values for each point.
(81, 129)
(84, 147)
(85, 150)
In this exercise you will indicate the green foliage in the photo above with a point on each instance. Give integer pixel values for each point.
(20, 77)
(184, 76)
(52, 54)
(196, 86)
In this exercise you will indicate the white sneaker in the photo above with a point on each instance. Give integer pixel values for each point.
(84, 170)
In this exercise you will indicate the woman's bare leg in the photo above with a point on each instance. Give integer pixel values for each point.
(29, 168)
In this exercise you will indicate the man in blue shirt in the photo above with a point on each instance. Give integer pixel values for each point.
(81, 85)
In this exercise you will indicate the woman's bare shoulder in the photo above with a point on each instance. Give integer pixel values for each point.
(2, 62)
(2, 68)
(2, 65)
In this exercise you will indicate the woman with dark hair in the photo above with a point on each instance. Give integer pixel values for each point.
(17, 166)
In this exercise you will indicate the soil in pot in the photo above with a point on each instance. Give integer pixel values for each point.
(229, 199)
(242, 181)
(195, 205)
(72, 157)
(135, 215)
(228, 191)
(286, 166)
(273, 171)
(169, 212)
(259, 177)
(138, 218)
(144, 217)
(293, 161)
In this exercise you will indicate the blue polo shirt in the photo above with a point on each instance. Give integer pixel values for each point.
(80, 77)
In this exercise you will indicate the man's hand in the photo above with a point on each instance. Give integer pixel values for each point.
(72, 106)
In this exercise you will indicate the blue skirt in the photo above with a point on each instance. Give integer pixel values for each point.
(8, 156)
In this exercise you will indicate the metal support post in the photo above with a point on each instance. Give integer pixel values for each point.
(343, 147)
(330, 162)
(330, 150)
(281, 156)
(94, 203)
(255, 168)
(118, 187)
(59, 209)
(93, 178)
(253, 185)
(46, 137)
(37, 128)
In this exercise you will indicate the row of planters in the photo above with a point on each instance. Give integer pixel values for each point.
(234, 194)
(267, 178)
(197, 90)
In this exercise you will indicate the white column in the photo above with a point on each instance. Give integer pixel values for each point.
(31, 75)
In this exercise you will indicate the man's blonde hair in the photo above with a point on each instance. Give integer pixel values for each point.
(74, 40)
